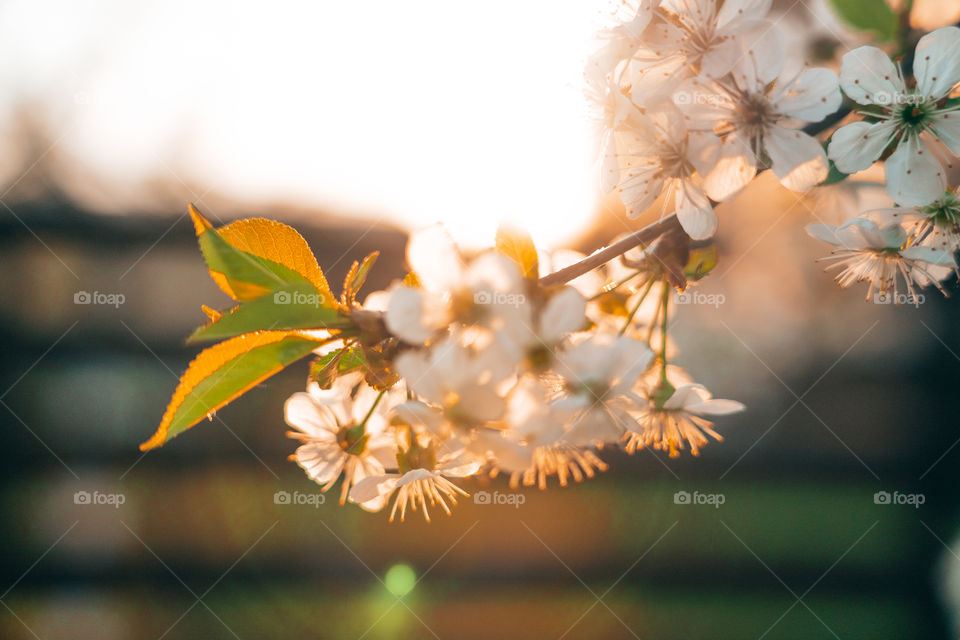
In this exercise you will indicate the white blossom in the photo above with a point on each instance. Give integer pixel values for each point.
(881, 255)
(695, 37)
(673, 417)
(757, 118)
(450, 289)
(598, 379)
(910, 118)
(662, 157)
(341, 433)
(419, 485)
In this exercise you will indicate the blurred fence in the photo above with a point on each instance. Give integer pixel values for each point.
(190, 542)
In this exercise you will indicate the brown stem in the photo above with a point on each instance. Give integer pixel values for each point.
(816, 128)
(601, 257)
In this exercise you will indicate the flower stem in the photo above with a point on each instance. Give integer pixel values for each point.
(373, 407)
(636, 307)
(664, 303)
(605, 290)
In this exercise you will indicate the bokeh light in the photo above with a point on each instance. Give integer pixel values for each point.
(400, 579)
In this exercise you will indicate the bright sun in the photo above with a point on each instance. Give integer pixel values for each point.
(467, 113)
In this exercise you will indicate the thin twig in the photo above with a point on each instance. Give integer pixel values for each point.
(644, 236)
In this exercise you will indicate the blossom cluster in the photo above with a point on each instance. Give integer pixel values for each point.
(497, 374)
(914, 123)
(694, 97)
(532, 365)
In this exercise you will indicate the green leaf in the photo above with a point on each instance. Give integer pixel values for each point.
(225, 371)
(325, 369)
(702, 261)
(356, 277)
(517, 245)
(247, 275)
(834, 176)
(875, 16)
(294, 306)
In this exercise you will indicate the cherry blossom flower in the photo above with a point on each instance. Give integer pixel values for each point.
(881, 254)
(660, 156)
(340, 434)
(598, 379)
(756, 117)
(692, 37)
(531, 334)
(621, 41)
(450, 290)
(673, 417)
(612, 112)
(423, 477)
(455, 380)
(911, 118)
(934, 225)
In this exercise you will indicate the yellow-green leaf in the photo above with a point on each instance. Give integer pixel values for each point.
(225, 371)
(296, 306)
(517, 245)
(249, 258)
(356, 277)
(702, 260)
(280, 243)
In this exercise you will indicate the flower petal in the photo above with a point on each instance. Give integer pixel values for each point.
(703, 150)
(734, 170)
(914, 176)
(867, 75)
(434, 257)
(716, 407)
(761, 54)
(933, 255)
(937, 62)
(824, 232)
(639, 188)
(609, 167)
(413, 315)
(742, 10)
(814, 95)
(322, 461)
(858, 145)
(371, 493)
(302, 412)
(564, 313)
(946, 126)
(798, 159)
(695, 212)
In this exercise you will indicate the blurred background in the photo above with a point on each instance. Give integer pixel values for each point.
(356, 122)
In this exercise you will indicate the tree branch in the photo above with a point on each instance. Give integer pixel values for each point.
(644, 236)
(649, 233)
(816, 128)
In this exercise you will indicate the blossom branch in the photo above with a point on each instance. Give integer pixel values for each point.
(644, 236)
